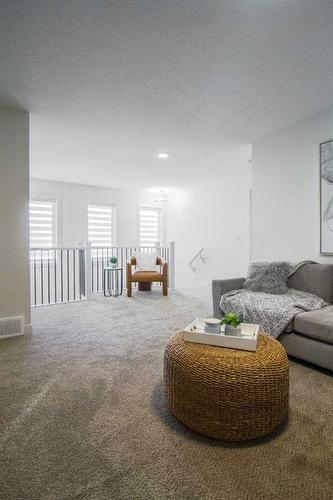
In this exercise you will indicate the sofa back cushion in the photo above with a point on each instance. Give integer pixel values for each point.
(314, 278)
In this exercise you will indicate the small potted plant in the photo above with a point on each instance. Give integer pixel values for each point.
(113, 261)
(232, 322)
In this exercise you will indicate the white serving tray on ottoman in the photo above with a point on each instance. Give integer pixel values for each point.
(247, 341)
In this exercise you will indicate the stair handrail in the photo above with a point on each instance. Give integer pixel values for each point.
(196, 256)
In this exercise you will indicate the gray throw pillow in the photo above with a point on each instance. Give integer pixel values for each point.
(268, 277)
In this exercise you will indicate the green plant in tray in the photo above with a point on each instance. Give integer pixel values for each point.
(231, 319)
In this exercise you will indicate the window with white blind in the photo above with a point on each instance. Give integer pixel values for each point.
(101, 225)
(43, 223)
(149, 227)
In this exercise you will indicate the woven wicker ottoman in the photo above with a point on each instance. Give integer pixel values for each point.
(227, 394)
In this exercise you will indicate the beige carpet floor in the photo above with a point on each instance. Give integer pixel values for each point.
(82, 415)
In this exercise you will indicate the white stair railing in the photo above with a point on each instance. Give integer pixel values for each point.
(198, 255)
(61, 275)
(100, 258)
(57, 275)
(171, 264)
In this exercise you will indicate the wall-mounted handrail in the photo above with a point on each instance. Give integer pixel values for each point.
(197, 255)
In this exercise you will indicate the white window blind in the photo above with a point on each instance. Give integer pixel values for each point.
(101, 225)
(43, 223)
(150, 227)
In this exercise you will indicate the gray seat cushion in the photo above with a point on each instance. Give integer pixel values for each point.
(316, 324)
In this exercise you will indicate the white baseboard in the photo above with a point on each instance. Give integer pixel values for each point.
(28, 329)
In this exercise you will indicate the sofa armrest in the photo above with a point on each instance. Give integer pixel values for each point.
(219, 287)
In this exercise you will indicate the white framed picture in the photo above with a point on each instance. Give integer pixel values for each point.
(326, 197)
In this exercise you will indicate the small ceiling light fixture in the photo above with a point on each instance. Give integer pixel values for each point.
(163, 156)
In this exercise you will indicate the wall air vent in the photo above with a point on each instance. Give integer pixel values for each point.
(11, 327)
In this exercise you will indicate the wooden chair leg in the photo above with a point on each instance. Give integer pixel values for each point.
(165, 288)
(129, 289)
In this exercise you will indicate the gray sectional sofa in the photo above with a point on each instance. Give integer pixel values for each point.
(310, 337)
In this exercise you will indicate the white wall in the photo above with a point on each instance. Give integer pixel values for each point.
(215, 216)
(285, 220)
(14, 199)
(72, 209)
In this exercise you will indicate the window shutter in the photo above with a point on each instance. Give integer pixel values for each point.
(43, 223)
(150, 227)
(101, 225)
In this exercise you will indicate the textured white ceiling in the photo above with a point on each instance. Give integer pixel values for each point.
(109, 84)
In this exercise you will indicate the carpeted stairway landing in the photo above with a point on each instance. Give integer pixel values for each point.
(82, 415)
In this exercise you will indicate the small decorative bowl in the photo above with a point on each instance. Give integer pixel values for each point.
(212, 325)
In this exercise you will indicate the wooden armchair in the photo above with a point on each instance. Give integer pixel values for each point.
(146, 278)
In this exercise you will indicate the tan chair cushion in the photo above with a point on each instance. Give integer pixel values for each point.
(147, 276)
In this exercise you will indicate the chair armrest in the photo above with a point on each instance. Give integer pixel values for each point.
(129, 271)
(219, 287)
(164, 265)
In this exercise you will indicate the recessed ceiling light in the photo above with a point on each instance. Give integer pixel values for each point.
(162, 156)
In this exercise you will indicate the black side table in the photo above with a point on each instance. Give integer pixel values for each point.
(112, 281)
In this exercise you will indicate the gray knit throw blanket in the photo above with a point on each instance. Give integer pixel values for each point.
(272, 312)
